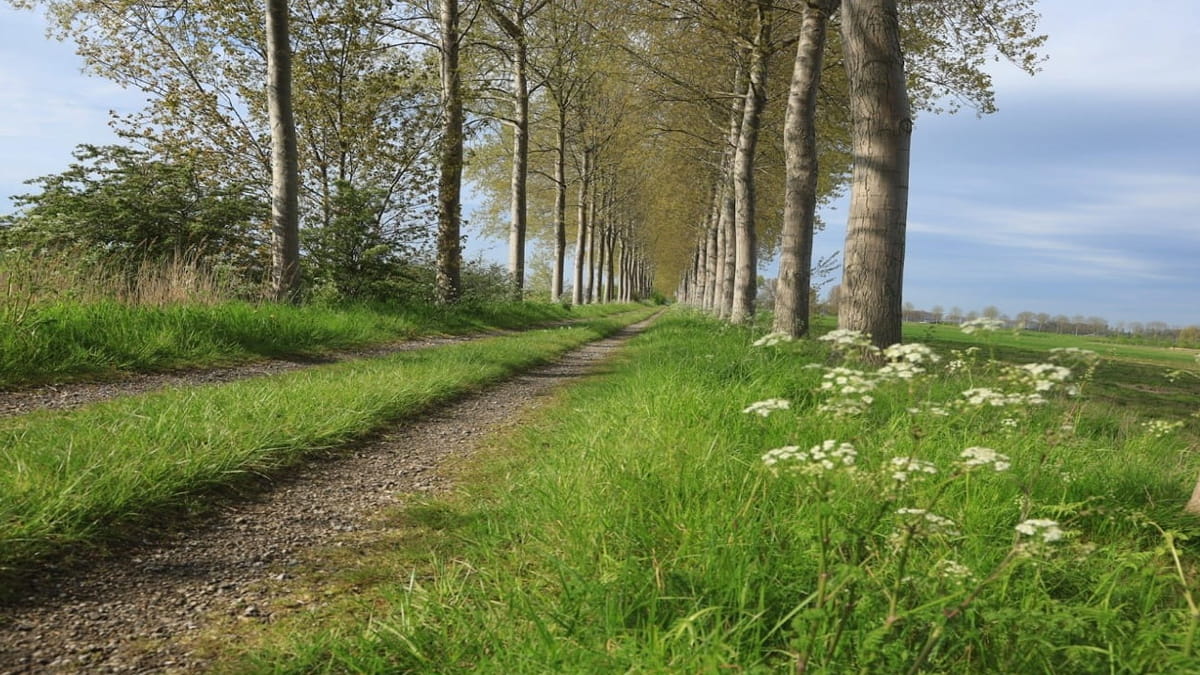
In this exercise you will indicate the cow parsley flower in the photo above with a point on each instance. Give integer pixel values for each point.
(913, 352)
(929, 522)
(1048, 530)
(816, 461)
(902, 467)
(973, 457)
(765, 408)
(953, 570)
(1161, 428)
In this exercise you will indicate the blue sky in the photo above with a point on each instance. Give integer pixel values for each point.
(1081, 196)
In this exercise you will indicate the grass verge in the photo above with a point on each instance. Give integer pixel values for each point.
(67, 340)
(72, 477)
(635, 527)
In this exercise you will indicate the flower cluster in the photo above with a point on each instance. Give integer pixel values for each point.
(1161, 428)
(850, 388)
(847, 381)
(845, 340)
(1048, 530)
(976, 457)
(982, 323)
(765, 408)
(772, 339)
(902, 467)
(932, 523)
(953, 570)
(913, 352)
(816, 461)
(1038, 376)
(982, 396)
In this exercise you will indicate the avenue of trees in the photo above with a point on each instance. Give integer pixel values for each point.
(636, 147)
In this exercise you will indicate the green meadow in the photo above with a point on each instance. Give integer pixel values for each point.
(707, 505)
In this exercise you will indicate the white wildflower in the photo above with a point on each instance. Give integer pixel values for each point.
(1161, 428)
(930, 522)
(816, 461)
(765, 408)
(1048, 530)
(973, 457)
(900, 370)
(904, 466)
(913, 352)
(954, 570)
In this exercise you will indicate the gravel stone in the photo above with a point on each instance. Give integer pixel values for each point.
(131, 610)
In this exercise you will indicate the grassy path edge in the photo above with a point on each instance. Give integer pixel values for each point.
(80, 478)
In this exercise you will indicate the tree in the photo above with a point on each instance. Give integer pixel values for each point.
(512, 18)
(285, 181)
(449, 245)
(800, 145)
(123, 202)
(746, 252)
(873, 270)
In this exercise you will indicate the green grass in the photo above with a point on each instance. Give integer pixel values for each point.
(66, 340)
(633, 527)
(79, 476)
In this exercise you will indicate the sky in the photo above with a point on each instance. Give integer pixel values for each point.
(1081, 196)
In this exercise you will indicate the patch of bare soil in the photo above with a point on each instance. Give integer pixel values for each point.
(135, 610)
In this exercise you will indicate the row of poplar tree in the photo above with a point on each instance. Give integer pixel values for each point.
(648, 140)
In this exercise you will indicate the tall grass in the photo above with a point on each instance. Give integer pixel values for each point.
(73, 320)
(637, 528)
(75, 476)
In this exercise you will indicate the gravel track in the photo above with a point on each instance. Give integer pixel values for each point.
(75, 394)
(137, 609)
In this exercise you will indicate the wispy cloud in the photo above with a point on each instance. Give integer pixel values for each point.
(1116, 225)
(1115, 45)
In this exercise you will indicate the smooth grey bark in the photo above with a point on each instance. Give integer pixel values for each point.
(285, 178)
(520, 170)
(560, 206)
(801, 172)
(873, 267)
(746, 244)
(514, 28)
(725, 196)
(1193, 505)
(449, 235)
(589, 295)
(585, 179)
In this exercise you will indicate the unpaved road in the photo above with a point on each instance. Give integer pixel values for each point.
(136, 609)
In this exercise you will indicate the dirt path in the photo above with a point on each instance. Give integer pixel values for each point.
(74, 394)
(135, 610)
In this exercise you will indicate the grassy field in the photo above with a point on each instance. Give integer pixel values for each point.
(65, 340)
(647, 523)
(80, 476)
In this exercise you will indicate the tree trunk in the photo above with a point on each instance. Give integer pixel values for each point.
(585, 179)
(449, 244)
(728, 204)
(873, 269)
(745, 284)
(800, 196)
(560, 207)
(285, 180)
(1193, 505)
(520, 169)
